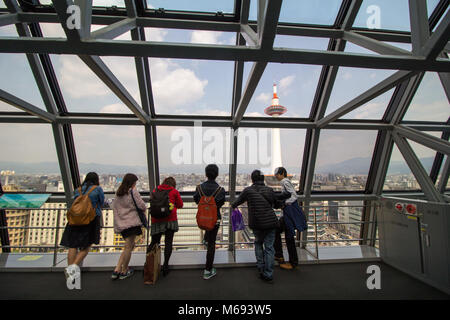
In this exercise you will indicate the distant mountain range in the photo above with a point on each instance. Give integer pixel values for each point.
(351, 166)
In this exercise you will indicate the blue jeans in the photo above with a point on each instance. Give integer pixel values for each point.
(264, 251)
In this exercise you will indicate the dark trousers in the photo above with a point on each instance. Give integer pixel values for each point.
(290, 244)
(210, 238)
(168, 242)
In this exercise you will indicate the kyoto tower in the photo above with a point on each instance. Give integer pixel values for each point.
(275, 110)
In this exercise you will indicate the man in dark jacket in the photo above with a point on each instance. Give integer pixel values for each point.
(209, 188)
(262, 220)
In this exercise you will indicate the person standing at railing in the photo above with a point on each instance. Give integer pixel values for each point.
(262, 219)
(80, 238)
(293, 218)
(210, 188)
(169, 225)
(127, 222)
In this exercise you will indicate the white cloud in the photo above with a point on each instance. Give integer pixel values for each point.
(286, 82)
(264, 97)
(347, 76)
(115, 108)
(254, 114)
(174, 86)
(371, 110)
(206, 37)
(155, 34)
(78, 80)
(435, 111)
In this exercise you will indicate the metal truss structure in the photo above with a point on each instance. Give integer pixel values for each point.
(255, 44)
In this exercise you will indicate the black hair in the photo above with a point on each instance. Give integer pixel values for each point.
(126, 184)
(257, 176)
(212, 171)
(91, 179)
(281, 170)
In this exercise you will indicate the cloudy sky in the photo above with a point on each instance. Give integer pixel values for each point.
(205, 87)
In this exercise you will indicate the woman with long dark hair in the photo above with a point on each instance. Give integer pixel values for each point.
(80, 238)
(169, 225)
(127, 222)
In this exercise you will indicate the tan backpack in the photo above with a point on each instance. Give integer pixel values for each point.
(81, 212)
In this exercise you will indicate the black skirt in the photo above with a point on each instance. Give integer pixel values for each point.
(133, 231)
(82, 236)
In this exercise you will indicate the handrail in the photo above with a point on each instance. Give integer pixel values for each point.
(311, 210)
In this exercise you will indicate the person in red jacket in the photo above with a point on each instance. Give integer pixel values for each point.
(169, 225)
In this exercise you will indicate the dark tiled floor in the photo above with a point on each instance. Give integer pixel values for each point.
(327, 281)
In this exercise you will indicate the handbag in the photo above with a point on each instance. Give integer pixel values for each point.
(141, 213)
(152, 264)
(237, 221)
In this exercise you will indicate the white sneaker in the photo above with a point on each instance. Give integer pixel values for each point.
(72, 272)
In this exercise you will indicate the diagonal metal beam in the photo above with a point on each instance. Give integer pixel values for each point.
(419, 24)
(438, 39)
(9, 18)
(268, 15)
(25, 106)
(252, 82)
(374, 45)
(62, 134)
(97, 65)
(145, 88)
(249, 35)
(442, 185)
(114, 30)
(102, 71)
(417, 169)
(86, 17)
(365, 97)
(424, 139)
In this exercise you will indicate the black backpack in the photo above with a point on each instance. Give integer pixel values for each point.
(159, 204)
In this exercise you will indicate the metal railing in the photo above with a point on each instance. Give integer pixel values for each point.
(228, 241)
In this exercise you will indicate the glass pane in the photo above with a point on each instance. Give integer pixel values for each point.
(430, 102)
(29, 158)
(112, 151)
(190, 36)
(350, 83)
(184, 152)
(425, 155)
(373, 109)
(303, 11)
(108, 3)
(83, 91)
(20, 81)
(384, 14)
(337, 222)
(192, 87)
(266, 149)
(296, 86)
(8, 31)
(431, 5)
(226, 6)
(440, 173)
(399, 177)
(52, 30)
(343, 160)
(296, 42)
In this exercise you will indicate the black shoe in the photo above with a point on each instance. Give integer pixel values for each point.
(265, 279)
(165, 270)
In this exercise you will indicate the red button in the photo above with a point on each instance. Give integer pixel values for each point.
(399, 207)
(411, 208)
